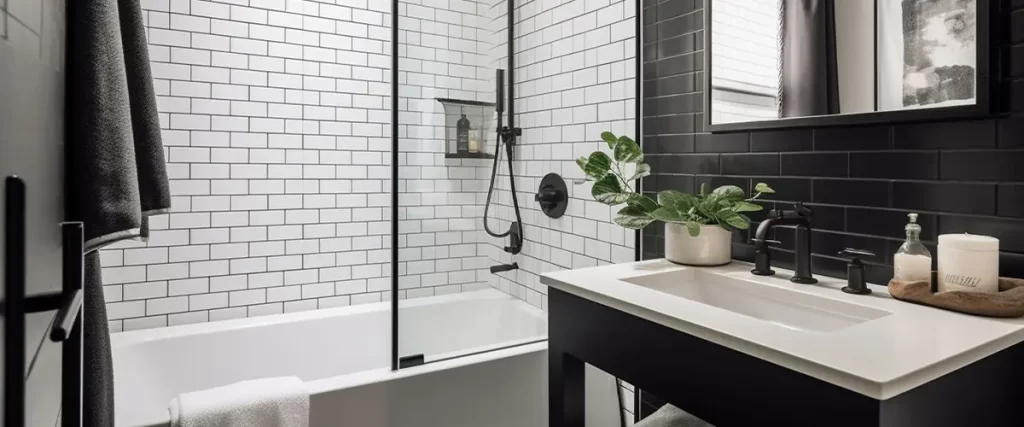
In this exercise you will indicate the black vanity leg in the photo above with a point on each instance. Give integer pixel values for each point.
(566, 385)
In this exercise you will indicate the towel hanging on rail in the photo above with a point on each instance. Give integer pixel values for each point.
(114, 166)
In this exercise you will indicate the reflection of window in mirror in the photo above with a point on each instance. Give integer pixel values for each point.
(745, 63)
(927, 53)
(791, 58)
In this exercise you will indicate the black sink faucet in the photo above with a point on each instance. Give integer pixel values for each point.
(800, 216)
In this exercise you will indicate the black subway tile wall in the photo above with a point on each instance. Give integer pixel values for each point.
(861, 181)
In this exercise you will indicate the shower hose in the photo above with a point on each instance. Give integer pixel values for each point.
(512, 186)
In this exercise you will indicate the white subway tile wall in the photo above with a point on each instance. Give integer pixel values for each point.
(276, 118)
(447, 49)
(575, 77)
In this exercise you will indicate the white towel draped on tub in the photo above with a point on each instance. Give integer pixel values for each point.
(270, 402)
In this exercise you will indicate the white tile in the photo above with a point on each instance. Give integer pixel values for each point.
(188, 318)
(166, 305)
(266, 309)
(247, 297)
(228, 313)
(139, 291)
(188, 286)
(144, 323)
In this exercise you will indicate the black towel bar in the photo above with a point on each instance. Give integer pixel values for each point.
(66, 327)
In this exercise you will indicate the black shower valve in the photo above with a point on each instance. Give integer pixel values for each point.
(552, 196)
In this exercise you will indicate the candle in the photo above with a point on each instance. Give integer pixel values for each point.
(968, 263)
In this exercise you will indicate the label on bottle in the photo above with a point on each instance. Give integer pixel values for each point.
(462, 144)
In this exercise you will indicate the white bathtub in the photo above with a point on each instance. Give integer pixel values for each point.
(343, 355)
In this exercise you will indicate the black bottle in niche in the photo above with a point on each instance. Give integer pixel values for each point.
(462, 135)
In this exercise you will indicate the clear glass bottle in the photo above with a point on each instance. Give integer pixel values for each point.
(913, 261)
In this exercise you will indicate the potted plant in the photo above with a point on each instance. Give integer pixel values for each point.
(698, 227)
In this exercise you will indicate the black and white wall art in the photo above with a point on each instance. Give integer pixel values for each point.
(927, 53)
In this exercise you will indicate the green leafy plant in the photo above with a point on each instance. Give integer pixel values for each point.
(612, 176)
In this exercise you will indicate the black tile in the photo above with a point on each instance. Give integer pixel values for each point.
(685, 63)
(682, 83)
(1017, 95)
(650, 15)
(825, 217)
(886, 223)
(945, 197)
(671, 9)
(878, 274)
(684, 183)
(1010, 200)
(1011, 264)
(786, 189)
(650, 52)
(895, 165)
(829, 244)
(958, 134)
(689, 164)
(679, 123)
(676, 45)
(714, 182)
(650, 31)
(851, 192)
(750, 164)
(680, 25)
(678, 104)
(668, 144)
(983, 165)
(852, 138)
(1010, 232)
(1017, 26)
(1011, 132)
(723, 143)
(782, 140)
(815, 164)
(1017, 61)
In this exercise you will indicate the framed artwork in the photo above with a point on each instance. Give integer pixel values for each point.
(927, 53)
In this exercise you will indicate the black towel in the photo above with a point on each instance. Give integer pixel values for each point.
(115, 171)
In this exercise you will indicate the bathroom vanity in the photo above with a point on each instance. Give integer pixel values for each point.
(737, 349)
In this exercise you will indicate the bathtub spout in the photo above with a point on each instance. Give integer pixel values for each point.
(504, 267)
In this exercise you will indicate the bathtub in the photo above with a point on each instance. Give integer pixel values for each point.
(343, 356)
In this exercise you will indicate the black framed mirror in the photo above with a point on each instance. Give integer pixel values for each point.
(801, 63)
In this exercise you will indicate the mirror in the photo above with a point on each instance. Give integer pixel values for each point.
(792, 59)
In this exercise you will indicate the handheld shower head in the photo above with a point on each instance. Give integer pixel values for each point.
(499, 91)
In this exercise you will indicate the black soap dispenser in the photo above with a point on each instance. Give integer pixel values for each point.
(462, 135)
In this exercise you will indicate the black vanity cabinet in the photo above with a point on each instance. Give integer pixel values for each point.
(728, 388)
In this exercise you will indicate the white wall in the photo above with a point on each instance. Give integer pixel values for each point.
(575, 69)
(445, 51)
(275, 117)
(575, 77)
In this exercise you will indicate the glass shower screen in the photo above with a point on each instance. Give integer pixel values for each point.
(449, 304)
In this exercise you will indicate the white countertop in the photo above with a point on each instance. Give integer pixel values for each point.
(879, 358)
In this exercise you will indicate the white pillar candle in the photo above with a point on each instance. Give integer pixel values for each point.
(968, 263)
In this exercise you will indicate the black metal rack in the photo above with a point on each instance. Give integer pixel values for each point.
(67, 324)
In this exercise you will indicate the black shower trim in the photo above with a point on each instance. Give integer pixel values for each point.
(394, 186)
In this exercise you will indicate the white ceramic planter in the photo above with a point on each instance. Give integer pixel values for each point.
(712, 247)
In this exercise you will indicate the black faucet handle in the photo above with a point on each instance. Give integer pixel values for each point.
(855, 282)
(802, 210)
(765, 242)
(854, 255)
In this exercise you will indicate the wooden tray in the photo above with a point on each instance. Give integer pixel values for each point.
(1008, 302)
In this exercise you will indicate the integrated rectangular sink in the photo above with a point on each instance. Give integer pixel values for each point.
(783, 307)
